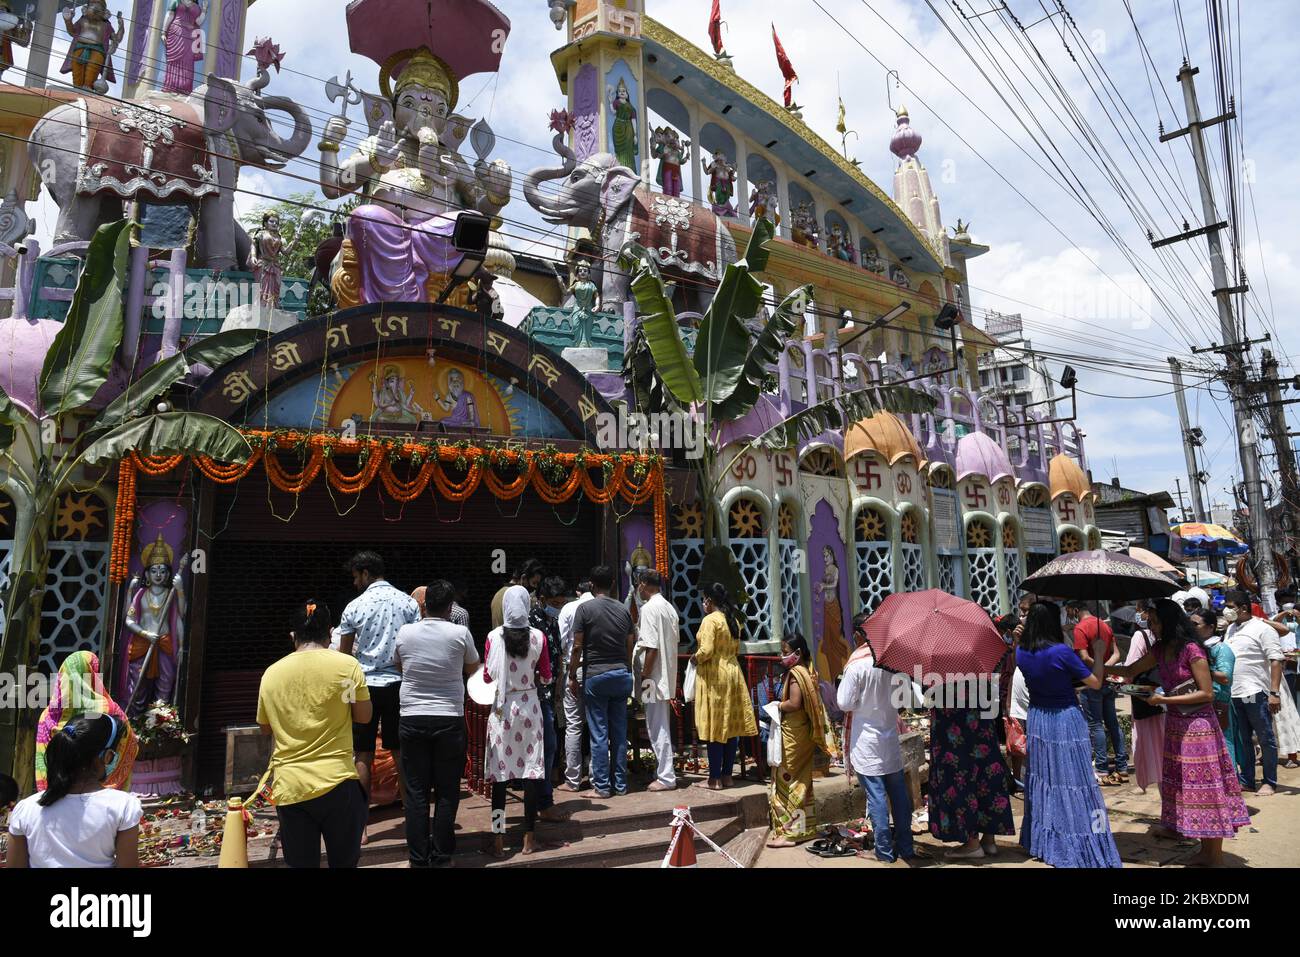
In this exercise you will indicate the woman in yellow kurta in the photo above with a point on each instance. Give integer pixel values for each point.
(723, 709)
(804, 731)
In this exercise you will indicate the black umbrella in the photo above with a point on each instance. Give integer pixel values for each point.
(1098, 575)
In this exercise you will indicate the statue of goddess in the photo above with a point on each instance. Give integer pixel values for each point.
(93, 43)
(183, 42)
(762, 202)
(268, 245)
(155, 617)
(586, 298)
(416, 184)
(625, 144)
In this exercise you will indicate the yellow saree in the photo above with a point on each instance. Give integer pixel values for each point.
(803, 734)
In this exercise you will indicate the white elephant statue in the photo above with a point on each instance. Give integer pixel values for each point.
(96, 153)
(690, 242)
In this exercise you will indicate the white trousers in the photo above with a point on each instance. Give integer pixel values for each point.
(658, 718)
(573, 719)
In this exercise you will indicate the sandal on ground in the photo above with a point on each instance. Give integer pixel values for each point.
(990, 848)
(838, 848)
(1110, 780)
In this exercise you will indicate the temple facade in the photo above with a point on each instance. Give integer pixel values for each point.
(423, 424)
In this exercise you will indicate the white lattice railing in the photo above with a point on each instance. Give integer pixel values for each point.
(914, 575)
(875, 573)
(792, 564)
(72, 611)
(687, 555)
(1015, 574)
(984, 579)
(754, 560)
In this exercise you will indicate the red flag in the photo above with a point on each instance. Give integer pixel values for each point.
(787, 68)
(715, 27)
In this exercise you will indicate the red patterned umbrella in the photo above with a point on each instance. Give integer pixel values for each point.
(942, 634)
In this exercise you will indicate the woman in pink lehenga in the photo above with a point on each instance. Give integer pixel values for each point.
(1148, 722)
(183, 42)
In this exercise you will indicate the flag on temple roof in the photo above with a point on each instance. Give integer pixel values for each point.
(787, 68)
(715, 27)
(842, 125)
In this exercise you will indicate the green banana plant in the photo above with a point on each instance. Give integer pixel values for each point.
(729, 372)
(76, 367)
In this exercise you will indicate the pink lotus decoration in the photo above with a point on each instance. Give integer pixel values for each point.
(561, 121)
(267, 53)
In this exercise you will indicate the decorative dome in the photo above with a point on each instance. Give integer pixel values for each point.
(885, 434)
(906, 142)
(23, 345)
(1065, 477)
(978, 454)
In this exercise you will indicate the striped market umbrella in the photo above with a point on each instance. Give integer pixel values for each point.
(1099, 575)
(1199, 538)
(940, 633)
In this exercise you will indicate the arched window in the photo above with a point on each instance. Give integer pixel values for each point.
(72, 610)
(747, 529)
(915, 577)
(687, 552)
(983, 557)
(875, 557)
(792, 565)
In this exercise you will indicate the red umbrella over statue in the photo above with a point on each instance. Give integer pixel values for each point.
(943, 636)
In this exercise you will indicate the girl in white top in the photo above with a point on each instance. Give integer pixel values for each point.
(76, 821)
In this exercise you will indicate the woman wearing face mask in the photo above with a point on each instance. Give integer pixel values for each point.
(1148, 721)
(1200, 796)
(78, 820)
(545, 617)
(804, 731)
(1222, 662)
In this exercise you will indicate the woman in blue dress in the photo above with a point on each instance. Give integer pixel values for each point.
(1065, 823)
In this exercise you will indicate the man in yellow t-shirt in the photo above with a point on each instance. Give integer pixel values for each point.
(308, 701)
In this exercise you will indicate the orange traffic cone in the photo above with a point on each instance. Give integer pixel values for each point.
(681, 845)
(234, 840)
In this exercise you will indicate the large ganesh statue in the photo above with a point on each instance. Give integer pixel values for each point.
(409, 168)
(177, 157)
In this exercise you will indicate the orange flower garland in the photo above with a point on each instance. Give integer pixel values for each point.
(376, 459)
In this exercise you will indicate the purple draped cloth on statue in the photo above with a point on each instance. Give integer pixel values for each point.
(397, 258)
(181, 52)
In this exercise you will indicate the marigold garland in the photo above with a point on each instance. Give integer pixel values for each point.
(555, 476)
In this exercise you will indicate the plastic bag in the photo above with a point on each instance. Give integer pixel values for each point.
(688, 683)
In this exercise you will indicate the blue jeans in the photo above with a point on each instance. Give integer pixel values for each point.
(1099, 709)
(546, 793)
(885, 793)
(722, 758)
(606, 698)
(1253, 717)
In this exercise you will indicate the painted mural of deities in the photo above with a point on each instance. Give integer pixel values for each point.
(830, 593)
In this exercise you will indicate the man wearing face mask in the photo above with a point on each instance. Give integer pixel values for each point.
(1095, 644)
(1256, 689)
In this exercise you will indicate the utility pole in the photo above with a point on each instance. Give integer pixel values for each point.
(1286, 464)
(1232, 348)
(1178, 484)
(1190, 442)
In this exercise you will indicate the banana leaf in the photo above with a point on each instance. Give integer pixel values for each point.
(10, 417)
(214, 352)
(659, 324)
(723, 343)
(171, 433)
(839, 412)
(79, 360)
(765, 352)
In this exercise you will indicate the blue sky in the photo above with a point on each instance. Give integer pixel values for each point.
(1054, 264)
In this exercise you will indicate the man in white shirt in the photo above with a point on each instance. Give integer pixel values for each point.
(656, 647)
(870, 698)
(1256, 688)
(573, 704)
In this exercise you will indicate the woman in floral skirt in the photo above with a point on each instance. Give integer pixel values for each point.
(969, 800)
(1200, 796)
